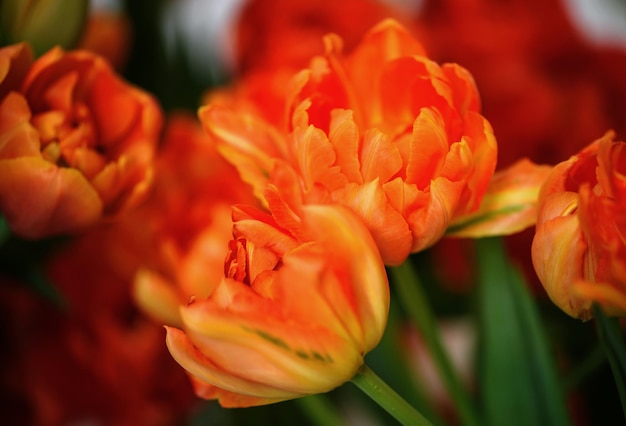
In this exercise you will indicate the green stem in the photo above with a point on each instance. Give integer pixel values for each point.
(613, 341)
(320, 411)
(407, 284)
(374, 387)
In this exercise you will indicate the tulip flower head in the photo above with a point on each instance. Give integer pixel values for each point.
(183, 258)
(382, 130)
(579, 249)
(76, 142)
(299, 306)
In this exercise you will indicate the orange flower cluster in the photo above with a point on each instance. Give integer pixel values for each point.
(77, 141)
(259, 234)
(125, 373)
(579, 249)
(383, 130)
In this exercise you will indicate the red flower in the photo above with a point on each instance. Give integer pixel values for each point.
(283, 33)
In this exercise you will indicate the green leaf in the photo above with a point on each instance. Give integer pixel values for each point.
(518, 379)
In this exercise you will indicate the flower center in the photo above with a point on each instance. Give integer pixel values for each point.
(68, 139)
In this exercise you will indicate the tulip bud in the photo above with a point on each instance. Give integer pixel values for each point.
(579, 249)
(43, 23)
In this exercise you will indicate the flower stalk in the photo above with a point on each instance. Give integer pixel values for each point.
(407, 283)
(379, 391)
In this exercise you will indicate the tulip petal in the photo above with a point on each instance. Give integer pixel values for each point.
(428, 148)
(613, 300)
(192, 360)
(228, 399)
(389, 228)
(315, 158)
(39, 199)
(356, 255)
(509, 206)
(432, 211)
(157, 297)
(383, 43)
(380, 158)
(344, 136)
(246, 142)
(18, 137)
(255, 337)
(15, 61)
(558, 253)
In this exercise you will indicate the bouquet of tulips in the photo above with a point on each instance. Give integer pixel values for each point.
(423, 201)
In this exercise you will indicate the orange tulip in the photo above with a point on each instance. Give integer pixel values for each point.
(301, 302)
(76, 142)
(579, 250)
(383, 130)
(184, 258)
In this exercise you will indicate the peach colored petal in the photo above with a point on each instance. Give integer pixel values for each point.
(314, 157)
(59, 95)
(408, 84)
(389, 229)
(509, 206)
(201, 270)
(383, 43)
(322, 88)
(40, 66)
(344, 136)
(88, 162)
(246, 142)
(40, 199)
(464, 92)
(158, 297)
(379, 157)
(559, 252)
(109, 182)
(432, 212)
(348, 237)
(612, 299)
(458, 163)
(253, 338)
(286, 212)
(480, 138)
(428, 148)
(402, 196)
(17, 136)
(14, 63)
(228, 399)
(116, 107)
(190, 358)
(255, 225)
